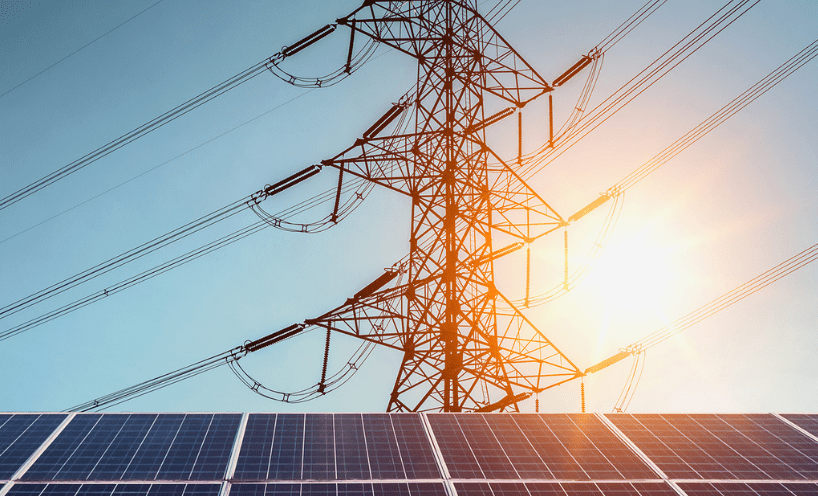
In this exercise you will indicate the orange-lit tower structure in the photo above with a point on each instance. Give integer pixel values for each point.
(465, 345)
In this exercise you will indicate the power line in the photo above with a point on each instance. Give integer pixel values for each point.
(126, 21)
(270, 63)
(669, 60)
(785, 268)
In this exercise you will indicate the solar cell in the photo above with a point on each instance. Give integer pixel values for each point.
(564, 489)
(139, 447)
(742, 447)
(334, 447)
(538, 446)
(415, 449)
(114, 490)
(20, 436)
(748, 488)
(340, 489)
(806, 421)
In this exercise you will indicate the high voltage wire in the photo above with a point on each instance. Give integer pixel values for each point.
(183, 232)
(225, 357)
(126, 21)
(737, 104)
(200, 145)
(110, 290)
(785, 268)
(270, 63)
(669, 60)
(135, 134)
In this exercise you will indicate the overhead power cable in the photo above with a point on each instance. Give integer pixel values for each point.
(674, 56)
(232, 356)
(737, 104)
(159, 242)
(750, 287)
(200, 367)
(126, 21)
(269, 63)
(112, 289)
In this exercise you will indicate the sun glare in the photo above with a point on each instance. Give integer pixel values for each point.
(632, 279)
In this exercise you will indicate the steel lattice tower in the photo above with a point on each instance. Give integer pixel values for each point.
(465, 345)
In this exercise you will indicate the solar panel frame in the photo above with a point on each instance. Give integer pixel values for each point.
(21, 435)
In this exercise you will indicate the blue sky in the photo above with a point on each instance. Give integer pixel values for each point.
(738, 202)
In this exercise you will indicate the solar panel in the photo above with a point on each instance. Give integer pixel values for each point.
(340, 489)
(749, 488)
(114, 490)
(806, 421)
(541, 446)
(747, 447)
(139, 447)
(564, 488)
(334, 447)
(20, 436)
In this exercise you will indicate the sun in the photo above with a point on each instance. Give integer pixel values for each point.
(632, 278)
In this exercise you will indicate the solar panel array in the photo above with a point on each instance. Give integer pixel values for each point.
(407, 454)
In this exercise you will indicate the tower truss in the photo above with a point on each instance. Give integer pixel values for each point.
(465, 345)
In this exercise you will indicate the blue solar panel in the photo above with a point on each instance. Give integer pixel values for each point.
(139, 447)
(114, 490)
(20, 436)
(532, 446)
(334, 447)
(741, 447)
(340, 489)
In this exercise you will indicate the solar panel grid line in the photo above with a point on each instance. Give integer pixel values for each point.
(764, 445)
(167, 450)
(799, 428)
(139, 448)
(20, 437)
(522, 440)
(413, 440)
(745, 449)
(123, 439)
(634, 448)
(728, 488)
(224, 489)
(566, 488)
(386, 458)
(40, 450)
(455, 447)
(598, 434)
(113, 489)
(486, 447)
(132, 482)
(659, 443)
(89, 420)
(723, 446)
(440, 462)
(549, 447)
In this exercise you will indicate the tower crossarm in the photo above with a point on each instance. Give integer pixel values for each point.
(417, 28)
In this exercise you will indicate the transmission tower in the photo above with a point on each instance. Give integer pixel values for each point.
(465, 345)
